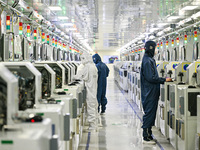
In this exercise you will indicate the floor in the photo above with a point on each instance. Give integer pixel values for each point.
(121, 126)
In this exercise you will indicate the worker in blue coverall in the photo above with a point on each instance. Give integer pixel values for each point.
(103, 73)
(150, 90)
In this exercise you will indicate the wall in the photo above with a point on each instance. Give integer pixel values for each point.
(110, 66)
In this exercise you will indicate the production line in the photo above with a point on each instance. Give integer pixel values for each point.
(38, 90)
(177, 114)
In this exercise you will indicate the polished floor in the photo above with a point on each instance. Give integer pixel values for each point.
(121, 126)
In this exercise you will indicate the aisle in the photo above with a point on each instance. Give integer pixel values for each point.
(122, 127)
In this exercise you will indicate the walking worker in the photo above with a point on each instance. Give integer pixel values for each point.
(103, 73)
(150, 90)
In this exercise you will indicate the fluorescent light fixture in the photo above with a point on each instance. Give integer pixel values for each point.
(173, 17)
(68, 24)
(160, 33)
(62, 33)
(195, 16)
(55, 8)
(189, 7)
(72, 29)
(162, 24)
(62, 17)
(153, 29)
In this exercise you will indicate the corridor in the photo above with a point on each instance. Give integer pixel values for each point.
(121, 126)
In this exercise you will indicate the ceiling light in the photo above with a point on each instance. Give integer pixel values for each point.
(189, 7)
(153, 29)
(72, 29)
(62, 33)
(173, 17)
(62, 17)
(56, 8)
(67, 24)
(162, 24)
(195, 16)
(160, 33)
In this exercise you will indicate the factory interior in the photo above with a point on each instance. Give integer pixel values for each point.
(45, 100)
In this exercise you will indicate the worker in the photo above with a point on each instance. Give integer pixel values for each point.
(150, 90)
(103, 73)
(88, 73)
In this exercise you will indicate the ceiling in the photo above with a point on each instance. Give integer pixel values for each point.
(109, 24)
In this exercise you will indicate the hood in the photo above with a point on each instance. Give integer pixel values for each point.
(150, 48)
(86, 58)
(96, 58)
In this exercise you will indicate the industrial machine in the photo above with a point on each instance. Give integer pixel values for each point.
(138, 85)
(164, 98)
(30, 101)
(124, 77)
(15, 128)
(130, 65)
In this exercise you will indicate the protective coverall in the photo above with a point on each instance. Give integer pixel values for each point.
(103, 73)
(150, 88)
(88, 73)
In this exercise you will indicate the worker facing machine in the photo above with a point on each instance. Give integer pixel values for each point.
(150, 90)
(103, 73)
(88, 72)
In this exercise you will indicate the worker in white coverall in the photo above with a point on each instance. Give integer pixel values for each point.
(88, 73)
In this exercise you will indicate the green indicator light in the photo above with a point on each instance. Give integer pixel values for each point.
(7, 27)
(195, 38)
(58, 101)
(47, 42)
(28, 34)
(172, 45)
(40, 114)
(177, 43)
(65, 89)
(185, 42)
(6, 142)
(43, 40)
(35, 38)
(20, 32)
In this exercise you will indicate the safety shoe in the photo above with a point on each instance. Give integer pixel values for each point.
(103, 113)
(148, 141)
(151, 138)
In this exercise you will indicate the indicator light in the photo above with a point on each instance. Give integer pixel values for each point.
(161, 44)
(35, 34)
(28, 31)
(20, 28)
(32, 120)
(47, 39)
(185, 39)
(177, 41)
(7, 23)
(43, 37)
(158, 46)
(53, 41)
(56, 43)
(195, 35)
(173, 43)
(167, 44)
